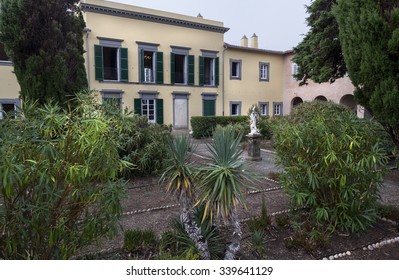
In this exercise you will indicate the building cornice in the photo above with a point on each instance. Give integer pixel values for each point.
(234, 47)
(151, 18)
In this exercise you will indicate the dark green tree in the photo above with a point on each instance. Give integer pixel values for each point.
(360, 38)
(319, 55)
(369, 36)
(44, 39)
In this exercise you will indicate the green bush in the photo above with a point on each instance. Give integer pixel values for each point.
(58, 183)
(143, 144)
(333, 164)
(204, 126)
(178, 243)
(265, 127)
(139, 240)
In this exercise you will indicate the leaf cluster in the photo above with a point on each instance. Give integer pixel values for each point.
(59, 180)
(333, 164)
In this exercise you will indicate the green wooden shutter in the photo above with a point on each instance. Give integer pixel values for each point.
(159, 111)
(141, 66)
(124, 65)
(217, 71)
(209, 108)
(98, 62)
(201, 71)
(159, 79)
(172, 68)
(137, 106)
(191, 70)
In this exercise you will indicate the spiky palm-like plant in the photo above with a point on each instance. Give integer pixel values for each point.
(222, 181)
(178, 177)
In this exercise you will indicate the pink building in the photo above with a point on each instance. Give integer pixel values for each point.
(341, 91)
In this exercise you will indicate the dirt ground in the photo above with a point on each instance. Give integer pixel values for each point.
(148, 206)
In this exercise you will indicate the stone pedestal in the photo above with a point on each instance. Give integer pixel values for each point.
(254, 147)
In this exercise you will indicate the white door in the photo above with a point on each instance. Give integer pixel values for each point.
(180, 111)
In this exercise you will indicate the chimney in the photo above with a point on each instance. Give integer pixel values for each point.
(254, 41)
(244, 42)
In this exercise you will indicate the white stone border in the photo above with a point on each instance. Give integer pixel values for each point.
(370, 247)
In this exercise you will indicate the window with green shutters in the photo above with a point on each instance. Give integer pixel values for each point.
(151, 108)
(111, 63)
(181, 69)
(208, 71)
(209, 108)
(98, 62)
(151, 67)
(191, 70)
(159, 80)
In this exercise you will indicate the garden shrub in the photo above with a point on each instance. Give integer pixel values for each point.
(143, 144)
(139, 240)
(178, 242)
(204, 126)
(265, 127)
(333, 164)
(58, 184)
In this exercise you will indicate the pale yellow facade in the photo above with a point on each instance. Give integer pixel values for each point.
(253, 77)
(135, 28)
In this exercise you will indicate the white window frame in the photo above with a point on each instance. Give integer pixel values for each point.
(264, 71)
(146, 111)
(113, 44)
(235, 63)
(150, 73)
(118, 67)
(236, 104)
(277, 108)
(294, 69)
(185, 70)
(148, 47)
(264, 106)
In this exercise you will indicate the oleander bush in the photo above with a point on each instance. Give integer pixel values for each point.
(333, 164)
(59, 180)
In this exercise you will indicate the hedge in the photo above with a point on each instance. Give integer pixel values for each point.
(204, 126)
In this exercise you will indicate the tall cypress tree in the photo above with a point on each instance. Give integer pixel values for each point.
(44, 39)
(319, 55)
(359, 38)
(369, 35)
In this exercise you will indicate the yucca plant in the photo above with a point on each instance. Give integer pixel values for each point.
(178, 177)
(221, 183)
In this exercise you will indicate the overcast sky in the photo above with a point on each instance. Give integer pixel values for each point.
(279, 24)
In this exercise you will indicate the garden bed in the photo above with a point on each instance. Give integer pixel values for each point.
(149, 207)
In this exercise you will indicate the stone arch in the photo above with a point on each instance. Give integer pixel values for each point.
(296, 101)
(348, 100)
(321, 98)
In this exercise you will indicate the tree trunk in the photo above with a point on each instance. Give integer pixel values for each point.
(193, 230)
(234, 246)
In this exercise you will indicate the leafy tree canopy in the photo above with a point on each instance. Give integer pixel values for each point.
(44, 40)
(360, 38)
(319, 55)
(369, 35)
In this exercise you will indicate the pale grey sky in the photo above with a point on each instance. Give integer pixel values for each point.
(279, 24)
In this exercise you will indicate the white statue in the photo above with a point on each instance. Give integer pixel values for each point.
(253, 118)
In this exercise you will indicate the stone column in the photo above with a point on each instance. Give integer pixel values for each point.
(254, 147)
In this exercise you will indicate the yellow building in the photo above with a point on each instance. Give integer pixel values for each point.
(253, 76)
(158, 64)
